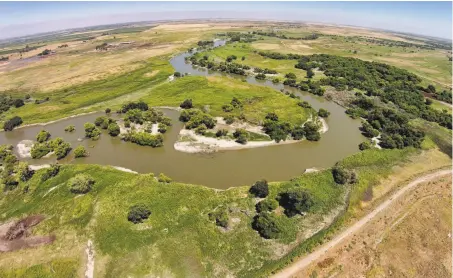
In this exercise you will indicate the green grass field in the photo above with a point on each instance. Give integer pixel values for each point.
(214, 92)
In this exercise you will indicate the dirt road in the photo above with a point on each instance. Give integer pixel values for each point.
(307, 260)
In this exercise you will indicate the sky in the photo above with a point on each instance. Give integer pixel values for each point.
(425, 18)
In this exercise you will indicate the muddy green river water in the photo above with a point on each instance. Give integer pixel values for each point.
(218, 170)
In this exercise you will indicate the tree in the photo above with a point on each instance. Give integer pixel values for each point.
(304, 104)
(81, 184)
(310, 73)
(108, 110)
(236, 103)
(186, 104)
(23, 171)
(80, 151)
(69, 128)
(227, 108)
(260, 189)
(18, 103)
(42, 136)
(260, 76)
(428, 101)
(12, 123)
(311, 131)
(221, 133)
(431, 89)
(138, 213)
(177, 74)
(39, 150)
(100, 120)
(298, 133)
(267, 225)
(5, 150)
(295, 201)
(229, 119)
(340, 175)
(276, 80)
(163, 178)
(323, 113)
(62, 150)
(243, 58)
(91, 131)
(114, 129)
(201, 129)
(266, 205)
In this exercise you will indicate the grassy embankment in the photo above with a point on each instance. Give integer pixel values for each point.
(178, 238)
(214, 92)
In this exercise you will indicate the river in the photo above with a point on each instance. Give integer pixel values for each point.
(217, 170)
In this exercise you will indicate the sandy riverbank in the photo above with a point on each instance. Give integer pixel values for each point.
(190, 142)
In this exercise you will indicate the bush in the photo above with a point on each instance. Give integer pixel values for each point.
(260, 189)
(91, 131)
(42, 136)
(221, 132)
(81, 184)
(295, 201)
(18, 103)
(114, 129)
(220, 217)
(69, 128)
(39, 150)
(23, 171)
(241, 135)
(80, 151)
(12, 123)
(266, 205)
(163, 178)
(365, 145)
(186, 104)
(138, 213)
(267, 225)
(340, 175)
(229, 119)
(108, 110)
(50, 172)
(323, 113)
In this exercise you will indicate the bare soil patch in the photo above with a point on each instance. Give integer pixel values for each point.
(15, 235)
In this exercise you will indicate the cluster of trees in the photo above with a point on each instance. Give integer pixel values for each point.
(343, 176)
(69, 128)
(6, 102)
(240, 36)
(295, 201)
(102, 47)
(12, 123)
(278, 130)
(144, 139)
(91, 131)
(140, 105)
(442, 96)
(283, 36)
(57, 145)
(205, 43)
(63, 45)
(195, 118)
(39, 101)
(264, 71)
(323, 113)
(109, 124)
(9, 163)
(138, 213)
(50, 172)
(81, 184)
(4, 58)
(241, 136)
(42, 136)
(392, 125)
(234, 68)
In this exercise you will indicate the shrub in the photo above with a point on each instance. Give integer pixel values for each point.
(80, 151)
(50, 172)
(177, 74)
(138, 213)
(304, 104)
(236, 103)
(39, 150)
(323, 113)
(18, 103)
(295, 201)
(201, 129)
(81, 184)
(23, 171)
(260, 189)
(220, 217)
(42, 136)
(186, 104)
(365, 145)
(341, 175)
(163, 178)
(241, 135)
(276, 80)
(12, 123)
(267, 225)
(227, 108)
(114, 129)
(266, 205)
(69, 128)
(162, 128)
(221, 132)
(5, 150)
(108, 110)
(91, 131)
(10, 183)
(290, 75)
(271, 116)
(229, 119)
(100, 120)
(260, 76)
